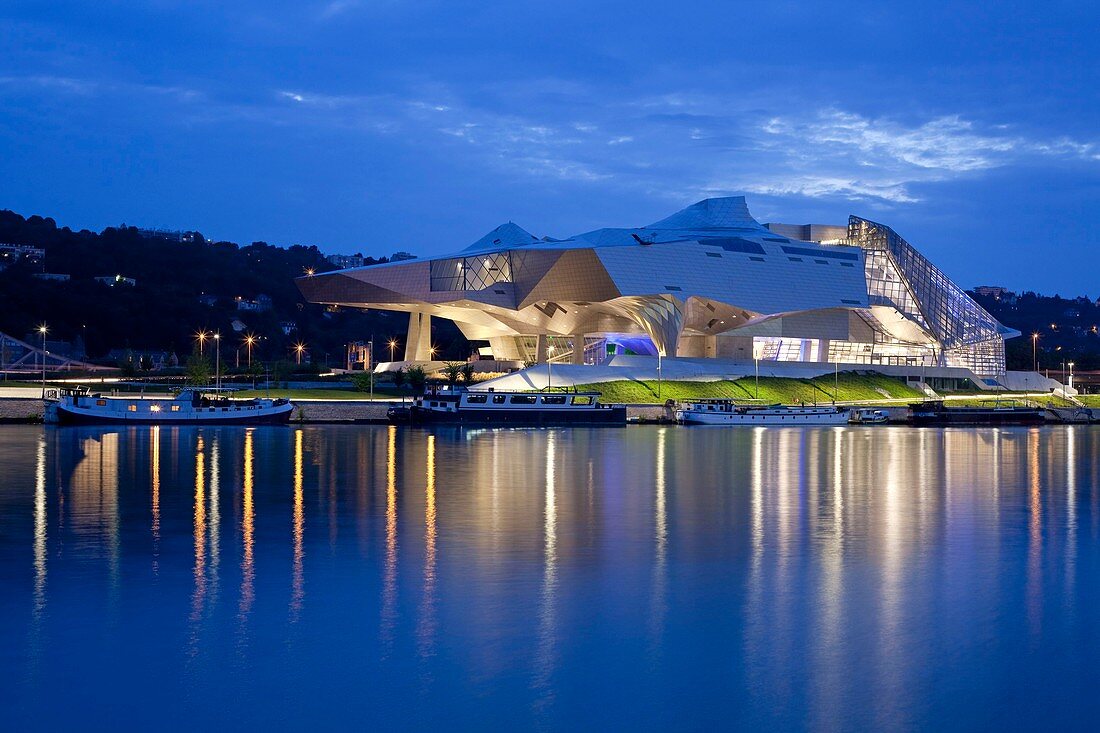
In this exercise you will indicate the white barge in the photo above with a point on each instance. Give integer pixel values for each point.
(727, 412)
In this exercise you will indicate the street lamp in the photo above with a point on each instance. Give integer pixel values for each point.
(249, 340)
(1071, 375)
(298, 349)
(201, 337)
(217, 361)
(549, 358)
(393, 345)
(1034, 351)
(42, 330)
(431, 352)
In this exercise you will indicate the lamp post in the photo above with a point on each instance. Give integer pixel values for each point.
(370, 365)
(757, 360)
(201, 337)
(42, 330)
(658, 374)
(393, 345)
(836, 381)
(249, 340)
(298, 349)
(217, 361)
(1071, 375)
(1035, 351)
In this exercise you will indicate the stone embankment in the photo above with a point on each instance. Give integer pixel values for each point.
(20, 410)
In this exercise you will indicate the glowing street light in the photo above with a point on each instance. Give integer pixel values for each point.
(309, 271)
(42, 330)
(217, 361)
(393, 345)
(1034, 351)
(298, 349)
(249, 340)
(432, 352)
(201, 337)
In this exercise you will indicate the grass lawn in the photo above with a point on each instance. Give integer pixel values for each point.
(848, 387)
(1091, 400)
(321, 394)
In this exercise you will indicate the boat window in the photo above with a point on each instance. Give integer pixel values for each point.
(433, 404)
(175, 408)
(554, 399)
(476, 399)
(523, 399)
(498, 399)
(101, 403)
(582, 400)
(132, 408)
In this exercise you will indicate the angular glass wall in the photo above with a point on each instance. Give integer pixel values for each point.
(904, 278)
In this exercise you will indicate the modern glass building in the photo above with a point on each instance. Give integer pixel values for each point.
(708, 281)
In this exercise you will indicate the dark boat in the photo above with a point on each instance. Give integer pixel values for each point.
(935, 412)
(520, 409)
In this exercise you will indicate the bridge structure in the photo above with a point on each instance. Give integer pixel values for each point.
(18, 357)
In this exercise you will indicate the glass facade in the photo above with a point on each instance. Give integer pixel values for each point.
(899, 275)
(471, 273)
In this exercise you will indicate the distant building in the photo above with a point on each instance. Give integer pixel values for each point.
(112, 281)
(210, 300)
(358, 355)
(57, 276)
(154, 358)
(237, 325)
(345, 261)
(288, 327)
(998, 293)
(399, 256)
(259, 304)
(12, 253)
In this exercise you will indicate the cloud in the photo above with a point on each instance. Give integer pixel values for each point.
(665, 142)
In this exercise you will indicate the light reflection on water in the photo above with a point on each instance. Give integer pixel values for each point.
(644, 577)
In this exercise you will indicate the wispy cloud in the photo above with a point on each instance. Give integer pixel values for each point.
(677, 143)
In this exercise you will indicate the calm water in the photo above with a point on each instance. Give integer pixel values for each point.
(648, 578)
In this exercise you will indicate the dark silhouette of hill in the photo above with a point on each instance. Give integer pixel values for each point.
(163, 311)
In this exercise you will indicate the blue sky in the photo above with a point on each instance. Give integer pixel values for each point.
(377, 126)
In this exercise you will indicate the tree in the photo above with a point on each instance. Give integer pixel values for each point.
(468, 373)
(198, 370)
(126, 364)
(452, 370)
(417, 378)
(398, 376)
(363, 381)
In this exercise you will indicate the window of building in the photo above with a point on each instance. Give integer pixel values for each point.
(474, 273)
(175, 408)
(132, 408)
(523, 399)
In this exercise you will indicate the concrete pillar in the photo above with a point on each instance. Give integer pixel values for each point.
(418, 343)
(578, 348)
(423, 349)
(541, 345)
(412, 338)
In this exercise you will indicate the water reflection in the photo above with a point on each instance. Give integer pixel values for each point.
(154, 477)
(816, 576)
(426, 631)
(248, 518)
(297, 593)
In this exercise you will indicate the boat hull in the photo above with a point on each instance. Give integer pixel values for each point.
(1034, 417)
(276, 416)
(606, 416)
(689, 417)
